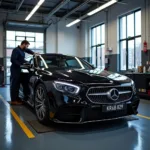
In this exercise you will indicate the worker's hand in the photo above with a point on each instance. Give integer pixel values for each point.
(36, 54)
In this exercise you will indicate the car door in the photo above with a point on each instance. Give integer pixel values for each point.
(24, 79)
(32, 79)
(26, 88)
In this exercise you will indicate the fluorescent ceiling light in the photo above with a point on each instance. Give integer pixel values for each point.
(102, 7)
(34, 9)
(72, 23)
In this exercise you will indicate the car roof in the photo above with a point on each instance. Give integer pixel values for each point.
(56, 54)
(50, 54)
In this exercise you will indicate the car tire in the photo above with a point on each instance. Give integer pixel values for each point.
(42, 104)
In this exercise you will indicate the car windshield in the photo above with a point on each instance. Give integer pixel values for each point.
(66, 62)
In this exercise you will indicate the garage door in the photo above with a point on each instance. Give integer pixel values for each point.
(14, 38)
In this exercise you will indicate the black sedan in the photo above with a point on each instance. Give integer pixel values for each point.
(66, 89)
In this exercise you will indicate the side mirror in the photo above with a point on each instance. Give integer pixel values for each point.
(26, 66)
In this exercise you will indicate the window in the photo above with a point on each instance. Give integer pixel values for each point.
(67, 62)
(30, 39)
(31, 60)
(98, 46)
(14, 38)
(19, 38)
(40, 62)
(86, 65)
(8, 52)
(73, 63)
(130, 40)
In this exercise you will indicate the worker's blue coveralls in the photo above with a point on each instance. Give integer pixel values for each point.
(17, 59)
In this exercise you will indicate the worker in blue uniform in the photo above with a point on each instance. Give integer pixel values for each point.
(17, 59)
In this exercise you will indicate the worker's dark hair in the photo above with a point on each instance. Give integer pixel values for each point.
(25, 42)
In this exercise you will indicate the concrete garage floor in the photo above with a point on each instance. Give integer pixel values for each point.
(130, 134)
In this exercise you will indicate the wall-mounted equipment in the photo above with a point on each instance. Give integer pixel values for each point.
(145, 46)
(110, 49)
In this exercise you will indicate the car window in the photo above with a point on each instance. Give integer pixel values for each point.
(41, 62)
(86, 64)
(66, 62)
(73, 63)
(52, 63)
(30, 60)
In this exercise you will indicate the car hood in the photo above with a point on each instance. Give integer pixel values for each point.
(95, 76)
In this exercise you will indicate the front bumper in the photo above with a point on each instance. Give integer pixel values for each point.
(79, 114)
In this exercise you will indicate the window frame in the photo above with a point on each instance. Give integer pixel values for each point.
(97, 45)
(127, 39)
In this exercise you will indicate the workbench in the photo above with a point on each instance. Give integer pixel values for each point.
(142, 83)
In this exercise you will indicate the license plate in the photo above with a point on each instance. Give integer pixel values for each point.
(109, 108)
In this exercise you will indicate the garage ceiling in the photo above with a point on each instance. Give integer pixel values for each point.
(75, 8)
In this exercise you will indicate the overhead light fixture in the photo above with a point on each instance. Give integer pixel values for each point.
(34, 9)
(102, 7)
(72, 23)
(93, 12)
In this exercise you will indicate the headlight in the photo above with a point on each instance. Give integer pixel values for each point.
(133, 87)
(66, 87)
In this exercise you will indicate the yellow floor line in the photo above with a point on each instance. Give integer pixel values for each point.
(26, 130)
(145, 117)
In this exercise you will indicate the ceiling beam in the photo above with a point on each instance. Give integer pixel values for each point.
(92, 7)
(97, 1)
(75, 9)
(26, 6)
(20, 13)
(78, 1)
(19, 6)
(59, 6)
(82, 1)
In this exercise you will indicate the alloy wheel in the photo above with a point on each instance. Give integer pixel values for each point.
(40, 103)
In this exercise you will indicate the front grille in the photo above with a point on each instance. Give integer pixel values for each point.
(99, 95)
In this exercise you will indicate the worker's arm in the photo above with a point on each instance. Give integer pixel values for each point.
(14, 58)
(29, 51)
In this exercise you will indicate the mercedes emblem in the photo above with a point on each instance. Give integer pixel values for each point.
(113, 94)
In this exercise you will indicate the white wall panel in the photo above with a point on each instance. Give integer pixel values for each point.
(63, 40)
(68, 39)
(51, 39)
